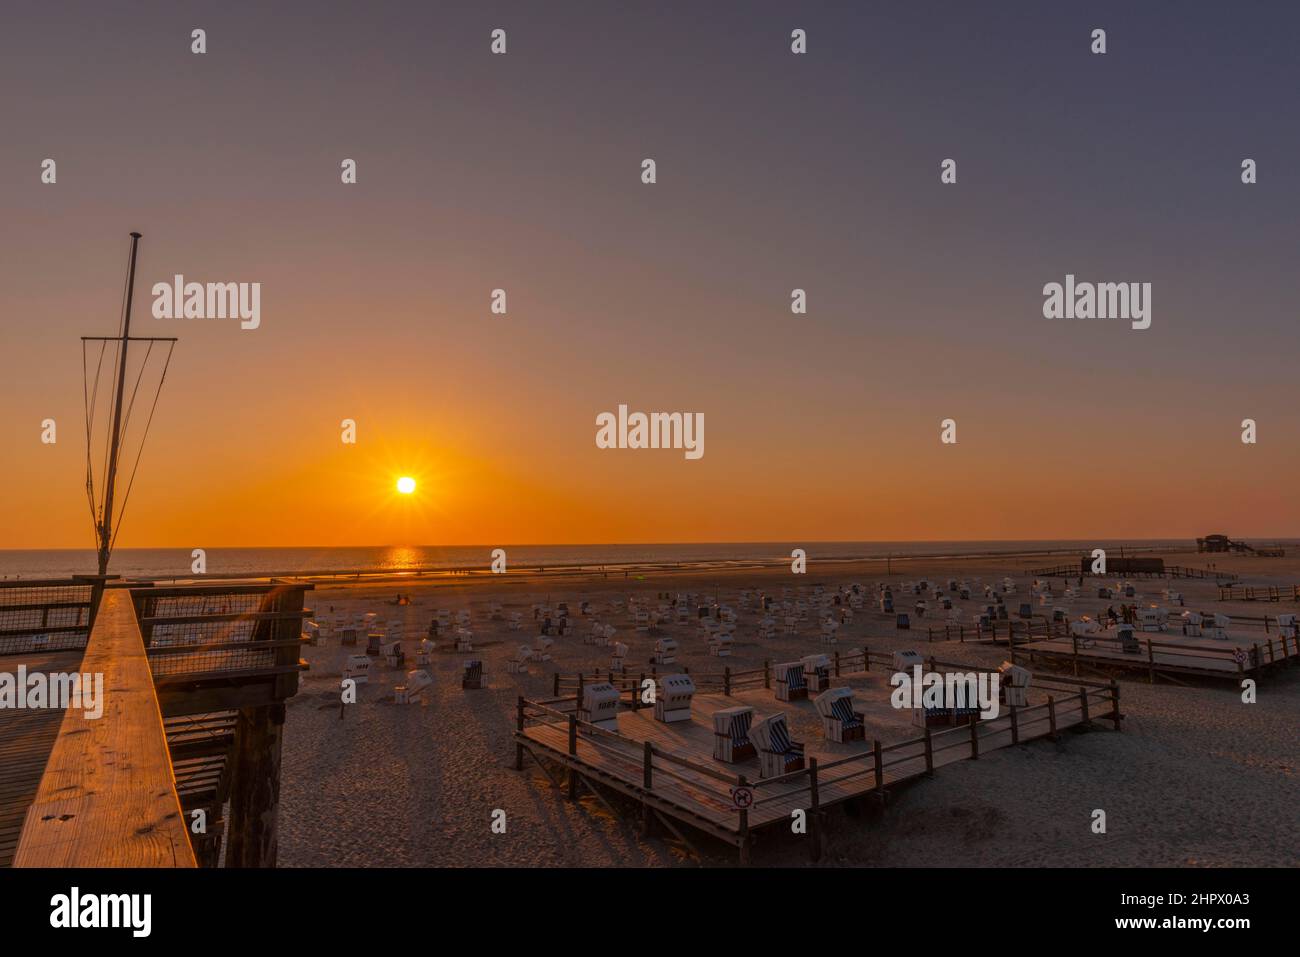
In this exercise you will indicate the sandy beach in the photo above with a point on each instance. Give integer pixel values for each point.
(1196, 778)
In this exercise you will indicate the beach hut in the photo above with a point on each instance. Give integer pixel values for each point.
(731, 741)
(600, 705)
(777, 754)
(357, 668)
(673, 698)
(840, 722)
(817, 672)
(416, 684)
(790, 683)
(472, 675)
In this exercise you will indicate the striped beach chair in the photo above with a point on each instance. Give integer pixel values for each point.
(840, 722)
(472, 678)
(731, 734)
(777, 754)
(790, 683)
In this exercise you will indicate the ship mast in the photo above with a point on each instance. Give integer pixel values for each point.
(103, 515)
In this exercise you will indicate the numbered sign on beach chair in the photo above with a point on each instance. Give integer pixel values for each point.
(777, 754)
(731, 734)
(840, 722)
(790, 683)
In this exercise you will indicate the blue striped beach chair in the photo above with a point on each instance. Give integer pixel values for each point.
(777, 754)
(840, 722)
(790, 683)
(731, 741)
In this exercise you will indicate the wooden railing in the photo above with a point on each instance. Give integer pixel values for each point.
(108, 797)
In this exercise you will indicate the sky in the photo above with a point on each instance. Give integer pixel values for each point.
(775, 171)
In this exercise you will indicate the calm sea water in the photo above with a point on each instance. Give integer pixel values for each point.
(175, 562)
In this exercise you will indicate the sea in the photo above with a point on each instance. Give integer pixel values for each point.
(165, 563)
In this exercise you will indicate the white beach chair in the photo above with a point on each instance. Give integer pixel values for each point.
(416, 684)
(673, 696)
(790, 682)
(665, 651)
(519, 663)
(600, 705)
(816, 672)
(731, 734)
(542, 648)
(357, 668)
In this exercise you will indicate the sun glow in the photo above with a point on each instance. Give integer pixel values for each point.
(406, 485)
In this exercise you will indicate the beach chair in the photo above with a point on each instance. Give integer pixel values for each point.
(903, 622)
(311, 632)
(816, 672)
(720, 644)
(495, 612)
(1192, 624)
(472, 676)
(374, 643)
(1013, 681)
(617, 662)
(829, 628)
(790, 683)
(1128, 641)
(1219, 629)
(673, 698)
(357, 668)
(599, 705)
(464, 640)
(907, 660)
(840, 722)
(1286, 626)
(731, 734)
(416, 683)
(424, 652)
(518, 665)
(542, 648)
(393, 655)
(777, 754)
(1152, 619)
(665, 651)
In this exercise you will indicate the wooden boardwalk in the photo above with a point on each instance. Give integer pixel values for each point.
(25, 745)
(1159, 654)
(670, 770)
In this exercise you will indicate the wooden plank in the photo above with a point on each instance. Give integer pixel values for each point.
(108, 798)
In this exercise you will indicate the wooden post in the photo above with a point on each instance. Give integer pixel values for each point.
(726, 681)
(877, 760)
(573, 750)
(1015, 729)
(767, 673)
(1083, 707)
(974, 740)
(744, 829)
(555, 685)
(1151, 664)
(929, 754)
(580, 686)
(837, 661)
(866, 659)
(814, 830)
(647, 767)
(519, 727)
(255, 787)
(1114, 704)
(1051, 717)
(1074, 643)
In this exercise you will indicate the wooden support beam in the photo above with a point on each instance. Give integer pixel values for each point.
(255, 787)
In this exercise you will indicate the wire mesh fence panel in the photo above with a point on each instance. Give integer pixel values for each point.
(44, 617)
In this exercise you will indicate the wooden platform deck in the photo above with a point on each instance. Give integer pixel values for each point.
(670, 769)
(26, 739)
(1168, 654)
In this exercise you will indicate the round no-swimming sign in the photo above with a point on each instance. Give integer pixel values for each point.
(742, 798)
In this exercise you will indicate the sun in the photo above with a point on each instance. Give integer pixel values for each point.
(406, 485)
